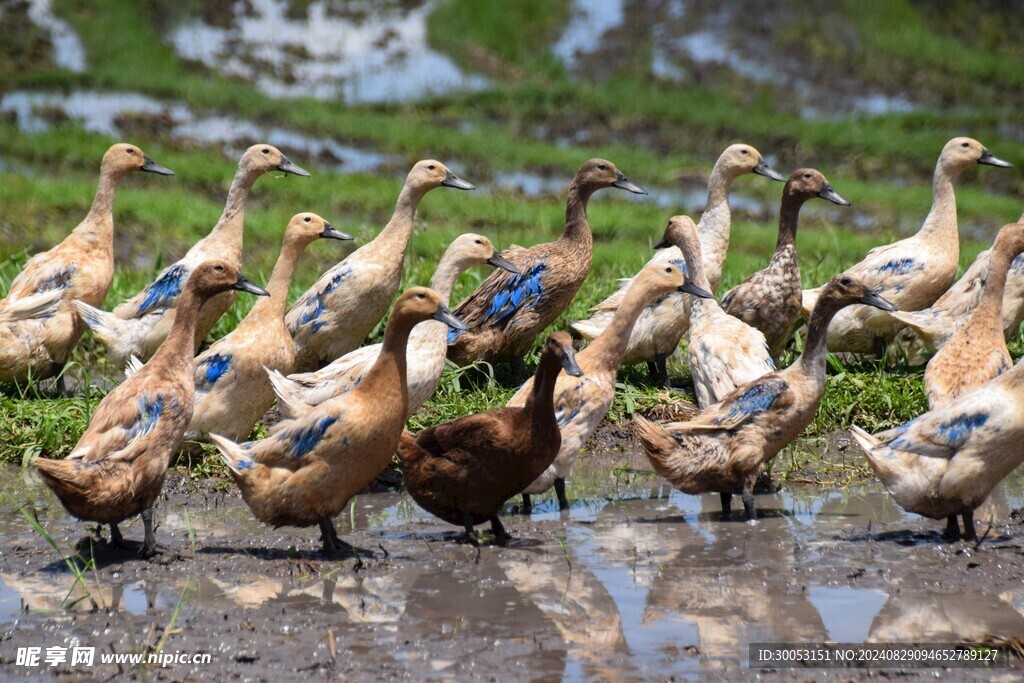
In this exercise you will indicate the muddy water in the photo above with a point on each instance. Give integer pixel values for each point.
(635, 581)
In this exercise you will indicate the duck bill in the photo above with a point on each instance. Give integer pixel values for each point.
(150, 166)
(693, 289)
(990, 159)
(767, 171)
(569, 364)
(287, 166)
(442, 314)
(828, 192)
(499, 261)
(244, 284)
(873, 298)
(663, 244)
(455, 182)
(332, 233)
(623, 183)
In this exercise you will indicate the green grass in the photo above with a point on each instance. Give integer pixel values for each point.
(654, 131)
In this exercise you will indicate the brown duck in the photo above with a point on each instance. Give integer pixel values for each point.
(464, 470)
(507, 311)
(770, 298)
(724, 448)
(118, 466)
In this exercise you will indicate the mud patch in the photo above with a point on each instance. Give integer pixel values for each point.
(634, 581)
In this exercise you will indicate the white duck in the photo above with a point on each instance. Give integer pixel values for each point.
(913, 272)
(428, 342)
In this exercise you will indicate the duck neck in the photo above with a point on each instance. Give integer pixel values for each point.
(443, 280)
(577, 229)
(813, 356)
(940, 225)
(100, 219)
(177, 350)
(716, 220)
(394, 238)
(789, 218)
(610, 346)
(271, 309)
(987, 315)
(542, 400)
(390, 366)
(228, 233)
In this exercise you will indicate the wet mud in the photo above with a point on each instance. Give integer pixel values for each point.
(635, 581)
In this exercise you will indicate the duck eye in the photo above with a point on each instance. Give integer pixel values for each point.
(432, 167)
(307, 219)
(964, 145)
(743, 151)
(218, 268)
(668, 270)
(265, 150)
(478, 241)
(602, 167)
(130, 150)
(421, 296)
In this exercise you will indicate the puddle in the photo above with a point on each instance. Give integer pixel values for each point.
(360, 52)
(589, 21)
(68, 52)
(105, 112)
(635, 581)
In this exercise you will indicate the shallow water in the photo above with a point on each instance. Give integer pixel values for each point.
(68, 52)
(635, 580)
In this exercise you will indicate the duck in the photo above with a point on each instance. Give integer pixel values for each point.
(428, 342)
(725, 447)
(117, 468)
(946, 462)
(232, 389)
(935, 325)
(665, 322)
(582, 402)
(977, 351)
(336, 314)
(507, 312)
(724, 352)
(770, 299)
(464, 470)
(309, 469)
(41, 328)
(138, 326)
(912, 272)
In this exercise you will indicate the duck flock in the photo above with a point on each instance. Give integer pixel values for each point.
(344, 406)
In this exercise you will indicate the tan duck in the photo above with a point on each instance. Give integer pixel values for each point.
(946, 462)
(232, 389)
(507, 312)
(664, 322)
(80, 267)
(936, 324)
(309, 469)
(913, 272)
(428, 342)
(582, 402)
(464, 470)
(334, 316)
(977, 351)
(118, 466)
(724, 352)
(769, 299)
(725, 447)
(139, 325)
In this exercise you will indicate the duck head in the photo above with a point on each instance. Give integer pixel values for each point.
(662, 277)
(741, 158)
(1010, 239)
(430, 173)
(213, 277)
(843, 290)
(418, 304)
(264, 158)
(123, 158)
(961, 153)
(307, 227)
(475, 250)
(558, 348)
(597, 174)
(807, 183)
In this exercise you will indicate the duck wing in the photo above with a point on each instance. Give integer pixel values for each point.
(43, 273)
(746, 403)
(890, 267)
(470, 437)
(500, 297)
(212, 366)
(942, 433)
(160, 295)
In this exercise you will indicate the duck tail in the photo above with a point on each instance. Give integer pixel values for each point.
(864, 440)
(662, 450)
(592, 327)
(62, 478)
(133, 365)
(233, 455)
(113, 332)
(290, 394)
(33, 306)
(926, 326)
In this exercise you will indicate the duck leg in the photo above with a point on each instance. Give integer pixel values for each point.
(952, 532)
(149, 544)
(467, 521)
(748, 497)
(116, 539)
(328, 535)
(500, 535)
(563, 502)
(726, 504)
(527, 504)
(657, 372)
(969, 533)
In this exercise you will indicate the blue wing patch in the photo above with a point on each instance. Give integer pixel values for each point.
(313, 303)
(215, 367)
(149, 414)
(898, 266)
(756, 399)
(519, 289)
(59, 280)
(165, 288)
(958, 429)
(679, 263)
(304, 440)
